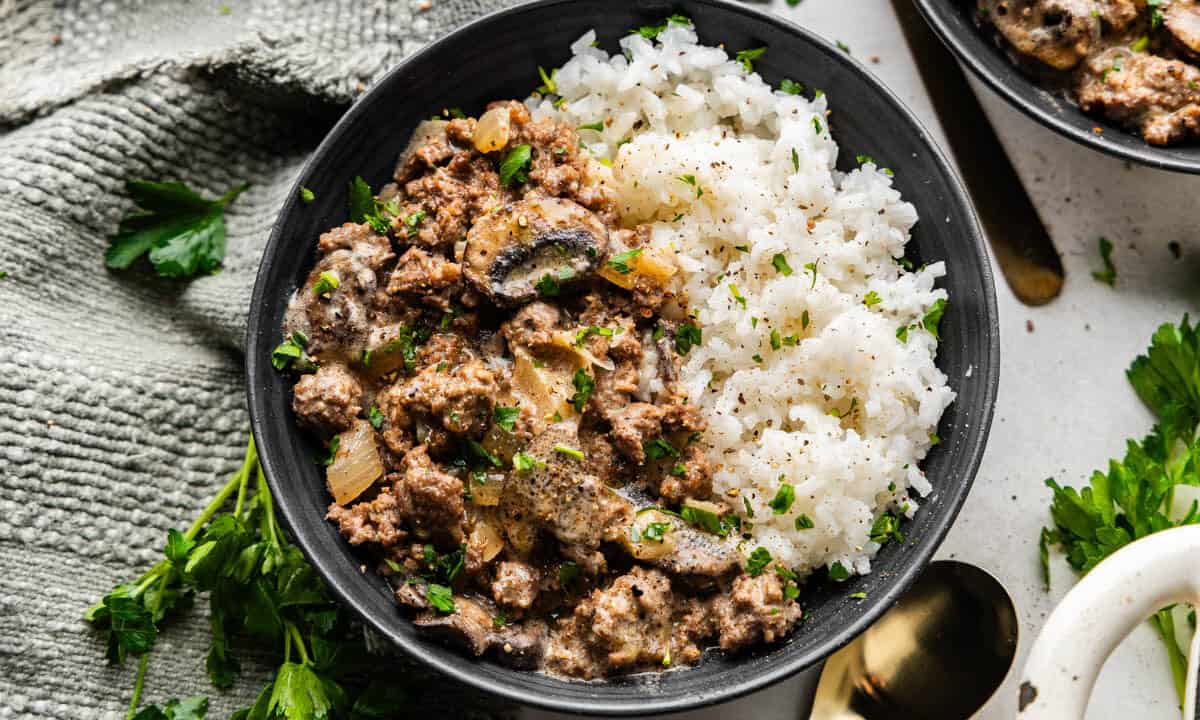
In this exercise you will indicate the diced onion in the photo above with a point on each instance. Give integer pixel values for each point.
(356, 465)
(647, 265)
(487, 540)
(492, 130)
(643, 548)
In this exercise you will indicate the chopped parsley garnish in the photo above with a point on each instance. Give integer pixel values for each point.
(817, 126)
(812, 268)
(758, 561)
(776, 340)
(871, 299)
(326, 283)
(687, 336)
(569, 451)
(550, 285)
(524, 462)
(326, 458)
(864, 159)
(440, 597)
(804, 320)
(568, 573)
(902, 333)
(598, 126)
(733, 290)
(748, 506)
(412, 222)
(656, 531)
(650, 32)
(499, 621)
(842, 46)
(795, 161)
(679, 470)
(587, 332)
(1156, 16)
(584, 385)
(780, 263)
(747, 57)
(375, 417)
(514, 168)
(291, 353)
(782, 502)
(838, 572)
(886, 528)
(757, 358)
(659, 448)
(858, 595)
(306, 195)
(547, 87)
(804, 522)
(482, 453)
(506, 417)
(1108, 275)
(933, 318)
(690, 179)
(621, 261)
(182, 233)
(791, 87)
(1140, 44)
(362, 201)
(705, 520)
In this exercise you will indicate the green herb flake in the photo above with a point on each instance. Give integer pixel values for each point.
(569, 451)
(326, 283)
(776, 340)
(842, 46)
(733, 290)
(933, 318)
(568, 573)
(413, 222)
(548, 87)
(780, 263)
(886, 528)
(858, 596)
(690, 179)
(865, 159)
(812, 268)
(758, 561)
(747, 57)
(598, 126)
(817, 126)
(621, 261)
(326, 458)
(790, 87)
(804, 522)
(1108, 275)
(1140, 44)
(838, 572)
(440, 597)
(871, 299)
(795, 161)
(584, 385)
(687, 336)
(306, 195)
(782, 502)
(658, 449)
(514, 168)
(524, 462)
(375, 417)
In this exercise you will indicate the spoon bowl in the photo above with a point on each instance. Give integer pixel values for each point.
(938, 654)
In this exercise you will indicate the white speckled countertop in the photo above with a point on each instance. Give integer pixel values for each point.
(1064, 405)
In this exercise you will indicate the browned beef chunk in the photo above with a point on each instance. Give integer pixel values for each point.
(516, 584)
(694, 624)
(455, 398)
(532, 327)
(338, 321)
(430, 277)
(633, 426)
(688, 476)
(755, 611)
(329, 400)
(430, 499)
(1155, 95)
(1059, 33)
(376, 521)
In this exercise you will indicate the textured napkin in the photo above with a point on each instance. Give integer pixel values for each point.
(121, 395)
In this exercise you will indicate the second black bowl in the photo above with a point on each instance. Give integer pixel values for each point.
(497, 57)
(953, 21)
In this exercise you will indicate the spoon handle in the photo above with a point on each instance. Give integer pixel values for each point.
(1107, 604)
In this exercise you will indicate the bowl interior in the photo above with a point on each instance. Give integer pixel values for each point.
(953, 21)
(498, 58)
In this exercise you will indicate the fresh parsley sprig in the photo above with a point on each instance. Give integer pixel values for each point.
(258, 585)
(1135, 496)
(182, 233)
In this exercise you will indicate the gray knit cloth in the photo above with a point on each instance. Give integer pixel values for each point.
(121, 395)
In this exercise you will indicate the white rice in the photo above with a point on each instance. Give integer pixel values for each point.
(764, 161)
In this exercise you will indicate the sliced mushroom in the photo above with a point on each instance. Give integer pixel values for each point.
(471, 626)
(1059, 33)
(513, 249)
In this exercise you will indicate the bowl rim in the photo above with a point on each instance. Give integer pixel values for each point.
(1019, 91)
(972, 240)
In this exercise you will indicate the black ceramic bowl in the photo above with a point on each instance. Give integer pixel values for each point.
(953, 21)
(497, 57)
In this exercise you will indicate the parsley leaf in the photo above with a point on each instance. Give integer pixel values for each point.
(779, 261)
(598, 126)
(804, 522)
(690, 179)
(361, 199)
(933, 317)
(782, 502)
(838, 572)
(886, 528)
(747, 57)
(871, 299)
(687, 336)
(375, 417)
(569, 451)
(621, 261)
(506, 417)
(514, 167)
(440, 597)
(306, 195)
(523, 462)
(659, 448)
(584, 385)
(758, 561)
(791, 87)
(182, 233)
(300, 693)
(1108, 275)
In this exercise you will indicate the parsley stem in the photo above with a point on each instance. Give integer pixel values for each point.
(137, 686)
(270, 522)
(291, 630)
(243, 474)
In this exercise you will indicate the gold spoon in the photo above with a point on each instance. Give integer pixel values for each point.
(938, 654)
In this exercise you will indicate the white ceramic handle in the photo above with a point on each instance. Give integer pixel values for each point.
(1107, 604)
